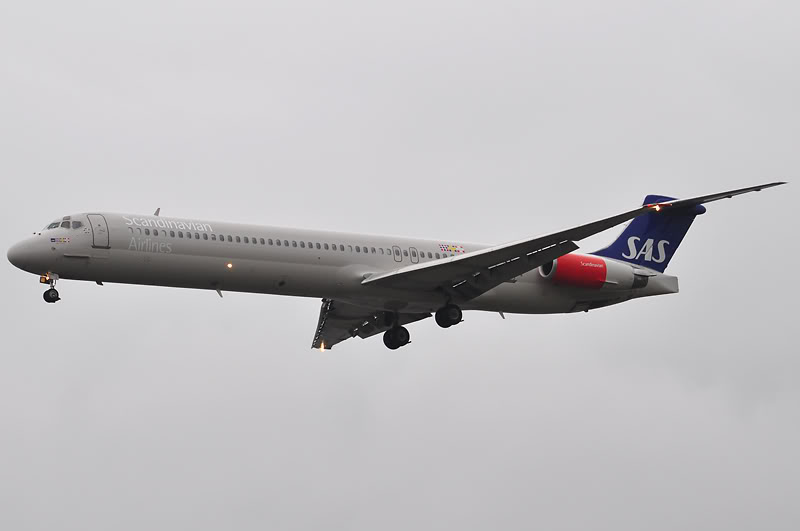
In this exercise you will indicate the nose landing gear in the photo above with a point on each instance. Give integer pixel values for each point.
(50, 295)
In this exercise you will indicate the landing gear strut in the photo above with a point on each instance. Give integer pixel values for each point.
(448, 316)
(50, 295)
(396, 337)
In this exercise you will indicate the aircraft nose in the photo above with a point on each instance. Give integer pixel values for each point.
(16, 255)
(25, 255)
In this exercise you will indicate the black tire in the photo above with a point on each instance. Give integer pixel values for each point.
(453, 313)
(51, 295)
(401, 336)
(441, 318)
(389, 340)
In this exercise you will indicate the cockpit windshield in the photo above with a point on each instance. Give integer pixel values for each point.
(64, 223)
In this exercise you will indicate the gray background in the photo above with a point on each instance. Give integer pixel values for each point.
(149, 408)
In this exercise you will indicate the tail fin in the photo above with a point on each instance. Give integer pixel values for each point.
(652, 239)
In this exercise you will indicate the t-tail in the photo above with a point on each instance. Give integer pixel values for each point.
(651, 240)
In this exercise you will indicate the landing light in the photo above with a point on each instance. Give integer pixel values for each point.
(657, 208)
(229, 265)
(322, 347)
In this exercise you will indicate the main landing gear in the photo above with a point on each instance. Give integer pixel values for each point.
(448, 316)
(50, 295)
(396, 337)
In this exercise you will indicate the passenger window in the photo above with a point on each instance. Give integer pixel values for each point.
(405, 253)
(205, 236)
(278, 242)
(319, 246)
(230, 238)
(263, 242)
(246, 240)
(358, 249)
(382, 250)
(130, 229)
(238, 239)
(213, 237)
(77, 224)
(65, 225)
(302, 245)
(269, 241)
(172, 234)
(294, 243)
(180, 234)
(333, 246)
(196, 236)
(372, 249)
(397, 252)
(326, 246)
(286, 243)
(139, 230)
(255, 242)
(147, 232)
(310, 245)
(413, 253)
(437, 255)
(430, 255)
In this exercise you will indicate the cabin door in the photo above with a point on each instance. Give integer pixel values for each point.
(99, 231)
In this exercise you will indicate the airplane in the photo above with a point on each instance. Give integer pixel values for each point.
(372, 284)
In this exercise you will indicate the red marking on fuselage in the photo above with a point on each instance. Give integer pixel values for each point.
(582, 271)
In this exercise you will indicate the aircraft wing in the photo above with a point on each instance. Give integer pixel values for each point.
(339, 321)
(469, 275)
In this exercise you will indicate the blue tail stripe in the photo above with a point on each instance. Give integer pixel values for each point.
(651, 240)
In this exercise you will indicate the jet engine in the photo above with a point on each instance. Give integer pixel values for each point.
(591, 272)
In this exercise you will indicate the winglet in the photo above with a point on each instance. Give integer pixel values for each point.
(157, 212)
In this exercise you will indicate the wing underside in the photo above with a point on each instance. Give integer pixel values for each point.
(339, 321)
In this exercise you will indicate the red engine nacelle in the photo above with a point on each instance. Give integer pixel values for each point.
(576, 270)
(590, 272)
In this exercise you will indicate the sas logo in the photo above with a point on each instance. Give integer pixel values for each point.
(59, 240)
(646, 250)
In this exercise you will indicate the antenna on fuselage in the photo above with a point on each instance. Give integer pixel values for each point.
(157, 212)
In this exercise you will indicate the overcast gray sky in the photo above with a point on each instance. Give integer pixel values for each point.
(136, 408)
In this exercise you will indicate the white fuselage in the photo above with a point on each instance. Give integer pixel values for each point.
(187, 253)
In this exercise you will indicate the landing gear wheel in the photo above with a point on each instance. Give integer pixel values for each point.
(51, 295)
(448, 316)
(396, 337)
